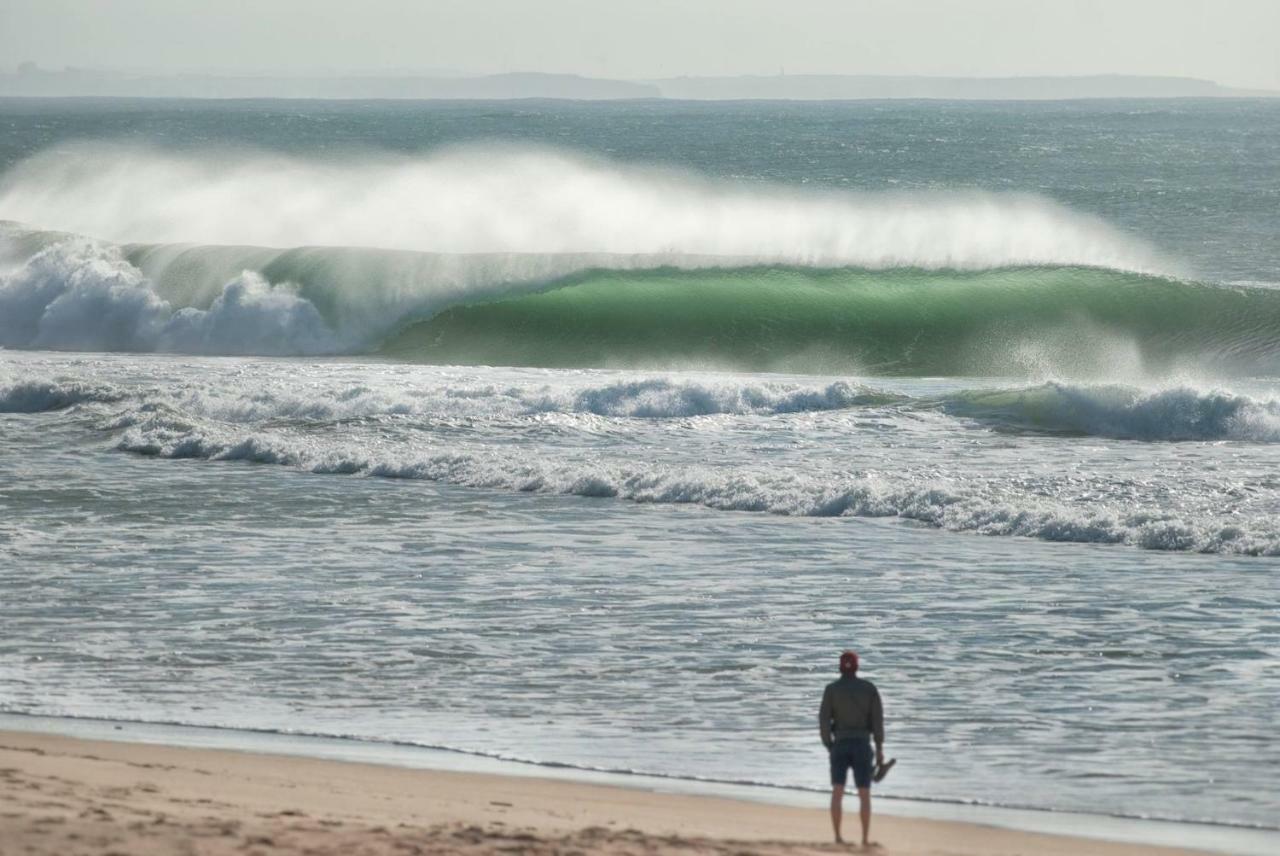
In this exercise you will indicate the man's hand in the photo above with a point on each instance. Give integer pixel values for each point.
(879, 756)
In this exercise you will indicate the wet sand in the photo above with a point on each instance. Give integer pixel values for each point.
(61, 796)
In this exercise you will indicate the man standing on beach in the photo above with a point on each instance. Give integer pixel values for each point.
(850, 716)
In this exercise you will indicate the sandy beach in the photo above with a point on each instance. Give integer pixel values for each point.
(64, 795)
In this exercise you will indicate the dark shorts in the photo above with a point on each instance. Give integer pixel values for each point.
(855, 754)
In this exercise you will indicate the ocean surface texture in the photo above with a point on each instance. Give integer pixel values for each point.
(589, 434)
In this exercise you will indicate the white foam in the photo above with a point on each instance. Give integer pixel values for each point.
(662, 397)
(728, 443)
(935, 501)
(1180, 413)
(1176, 413)
(83, 295)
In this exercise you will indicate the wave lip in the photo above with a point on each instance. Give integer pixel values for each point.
(1122, 412)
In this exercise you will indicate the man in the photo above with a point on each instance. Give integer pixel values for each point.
(850, 716)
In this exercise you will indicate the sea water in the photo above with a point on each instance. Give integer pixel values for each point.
(590, 434)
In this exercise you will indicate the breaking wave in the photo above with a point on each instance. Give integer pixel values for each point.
(534, 258)
(77, 294)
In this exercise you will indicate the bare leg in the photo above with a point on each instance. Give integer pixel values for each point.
(864, 814)
(837, 805)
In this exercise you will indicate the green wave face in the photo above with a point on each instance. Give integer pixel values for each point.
(1077, 321)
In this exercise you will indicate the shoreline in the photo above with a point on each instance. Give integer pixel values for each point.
(667, 806)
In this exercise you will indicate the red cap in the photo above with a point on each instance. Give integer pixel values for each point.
(848, 663)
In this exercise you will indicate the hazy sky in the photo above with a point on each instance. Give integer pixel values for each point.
(1231, 41)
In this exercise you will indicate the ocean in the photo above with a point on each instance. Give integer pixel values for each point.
(590, 434)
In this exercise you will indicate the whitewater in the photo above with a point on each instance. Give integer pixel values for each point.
(314, 414)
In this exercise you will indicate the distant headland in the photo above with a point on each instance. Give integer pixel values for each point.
(31, 80)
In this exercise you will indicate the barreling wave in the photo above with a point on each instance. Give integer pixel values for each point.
(1017, 321)
(518, 257)
(635, 312)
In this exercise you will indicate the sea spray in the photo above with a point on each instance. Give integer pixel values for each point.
(505, 255)
(492, 199)
(516, 256)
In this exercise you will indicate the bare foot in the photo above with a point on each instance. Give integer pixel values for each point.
(871, 845)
